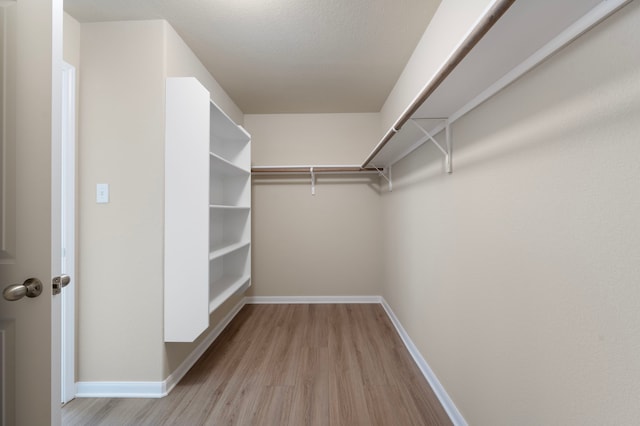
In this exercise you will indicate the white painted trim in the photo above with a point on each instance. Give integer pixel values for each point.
(3, 379)
(68, 211)
(120, 389)
(438, 389)
(262, 300)
(56, 8)
(155, 389)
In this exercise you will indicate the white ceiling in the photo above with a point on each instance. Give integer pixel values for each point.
(288, 56)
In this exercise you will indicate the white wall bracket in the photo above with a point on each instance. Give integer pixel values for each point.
(446, 150)
(386, 175)
(313, 181)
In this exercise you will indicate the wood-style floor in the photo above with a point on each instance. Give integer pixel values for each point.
(288, 365)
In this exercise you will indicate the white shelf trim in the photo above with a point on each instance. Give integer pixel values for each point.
(232, 285)
(227, 167)
(228, 207)
(230, 248)
(229, 123)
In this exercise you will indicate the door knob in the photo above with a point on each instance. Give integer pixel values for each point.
(32, 287)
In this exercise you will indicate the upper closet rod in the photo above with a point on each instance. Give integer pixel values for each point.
(496, 11)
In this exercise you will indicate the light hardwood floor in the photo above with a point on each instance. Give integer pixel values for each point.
(288, 365)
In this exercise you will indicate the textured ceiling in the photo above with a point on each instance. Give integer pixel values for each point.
(294, 56)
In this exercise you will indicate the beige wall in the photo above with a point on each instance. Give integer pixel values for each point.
(180, 61)
(121, 243)
(517, 275)
(323, 245)
(124, 66)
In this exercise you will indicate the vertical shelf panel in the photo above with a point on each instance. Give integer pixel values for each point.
(207, 209)
(186, 239)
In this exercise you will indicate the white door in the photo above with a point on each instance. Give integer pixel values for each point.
(30, 229)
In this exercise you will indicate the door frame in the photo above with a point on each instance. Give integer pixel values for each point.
(68, 175)
(57, 14)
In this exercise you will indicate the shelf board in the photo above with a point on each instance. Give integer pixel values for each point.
(226, 128)
(230, 248)
(231, 285)
(223, 166)
(227, 207)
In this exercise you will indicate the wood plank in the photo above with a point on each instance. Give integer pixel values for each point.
(315, 365)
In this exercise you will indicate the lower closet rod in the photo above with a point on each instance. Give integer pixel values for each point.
(313, 169)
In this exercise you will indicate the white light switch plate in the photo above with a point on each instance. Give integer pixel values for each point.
(102, 193)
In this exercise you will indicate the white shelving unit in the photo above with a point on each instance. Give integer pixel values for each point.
(207, 209)
(229, 209)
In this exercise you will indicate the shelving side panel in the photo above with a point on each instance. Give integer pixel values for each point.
(186, 237)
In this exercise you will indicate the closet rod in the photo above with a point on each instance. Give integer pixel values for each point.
(490, 18)
(315, 169)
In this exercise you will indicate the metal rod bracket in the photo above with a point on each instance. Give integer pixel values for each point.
(313, 181)
(386, 174)
(446, 150)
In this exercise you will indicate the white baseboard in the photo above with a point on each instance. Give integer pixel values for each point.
(263, 300)
(155, 389)
(120, 389)
(438, 389)
(160, 389)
